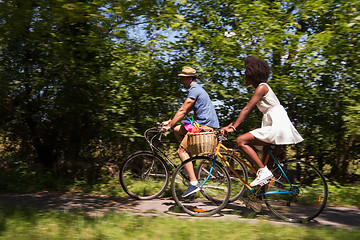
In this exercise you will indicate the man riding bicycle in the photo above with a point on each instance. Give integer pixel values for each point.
(199, 101)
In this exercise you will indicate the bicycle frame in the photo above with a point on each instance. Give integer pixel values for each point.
(218, 154)
(297, 193)
(156, 149)
(269, 154)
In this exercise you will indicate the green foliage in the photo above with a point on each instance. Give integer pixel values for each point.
(312, 48)
(54, 77)
(75, 87)
(20, 177)
(340, 195)
(81, 80)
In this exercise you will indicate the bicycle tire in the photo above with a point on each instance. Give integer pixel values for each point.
(144, 175)
(237, 187)
(310, 197)
(218, 186)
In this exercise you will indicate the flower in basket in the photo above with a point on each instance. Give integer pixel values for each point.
(193, 127)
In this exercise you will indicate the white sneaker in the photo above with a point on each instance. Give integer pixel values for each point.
(263, 175)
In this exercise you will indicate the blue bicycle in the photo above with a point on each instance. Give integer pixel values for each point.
(298, 192)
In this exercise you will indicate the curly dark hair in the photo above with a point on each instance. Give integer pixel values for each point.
(256, 70)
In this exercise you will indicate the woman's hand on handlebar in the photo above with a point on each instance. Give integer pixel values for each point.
(226, 130)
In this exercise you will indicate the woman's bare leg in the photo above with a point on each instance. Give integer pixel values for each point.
(243, 143)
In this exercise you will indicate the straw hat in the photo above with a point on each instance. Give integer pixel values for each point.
(187, 72)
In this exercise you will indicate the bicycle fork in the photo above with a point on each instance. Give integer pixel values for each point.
(211, 169)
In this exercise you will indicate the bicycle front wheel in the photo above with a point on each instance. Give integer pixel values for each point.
(144, 175)
(299, 195)
(215, 188)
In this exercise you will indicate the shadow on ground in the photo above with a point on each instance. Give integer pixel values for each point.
(96, 205)
(69, 201)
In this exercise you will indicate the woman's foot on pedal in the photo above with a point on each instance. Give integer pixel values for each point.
(263, 175)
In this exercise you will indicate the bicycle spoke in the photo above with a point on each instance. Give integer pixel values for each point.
(144, 176)
(238, 188)
(303, 199)
(214, 193)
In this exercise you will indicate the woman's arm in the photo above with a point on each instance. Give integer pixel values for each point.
(260, 91)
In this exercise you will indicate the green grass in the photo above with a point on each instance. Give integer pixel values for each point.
(30, 224)
(348, 195)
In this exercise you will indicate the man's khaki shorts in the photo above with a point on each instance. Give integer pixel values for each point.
(184, 142)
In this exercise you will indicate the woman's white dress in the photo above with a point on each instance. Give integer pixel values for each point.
(276, 127)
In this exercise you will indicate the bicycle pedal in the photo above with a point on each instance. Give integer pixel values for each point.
(255, 206)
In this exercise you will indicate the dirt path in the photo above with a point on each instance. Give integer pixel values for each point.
(96, 205)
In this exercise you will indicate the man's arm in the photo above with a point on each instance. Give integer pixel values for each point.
(180, 114)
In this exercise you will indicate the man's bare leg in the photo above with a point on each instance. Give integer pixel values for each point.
(179, 132)
(183, 155)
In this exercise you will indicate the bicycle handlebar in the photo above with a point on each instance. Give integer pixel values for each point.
(151, 134)
(221, 137)
(157, 131)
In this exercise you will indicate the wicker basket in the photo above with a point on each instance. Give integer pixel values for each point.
(202, 143)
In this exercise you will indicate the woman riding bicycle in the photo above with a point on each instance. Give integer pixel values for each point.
(276, 127)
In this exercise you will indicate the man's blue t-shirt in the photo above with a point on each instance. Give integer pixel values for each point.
(204, 111)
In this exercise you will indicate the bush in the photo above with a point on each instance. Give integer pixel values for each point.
(344, 195)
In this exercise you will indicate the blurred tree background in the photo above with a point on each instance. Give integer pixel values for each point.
(81, 80)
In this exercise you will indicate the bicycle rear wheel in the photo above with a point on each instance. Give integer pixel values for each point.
(306, 196)
(237, 187)
(215, 191)
(144, 175)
